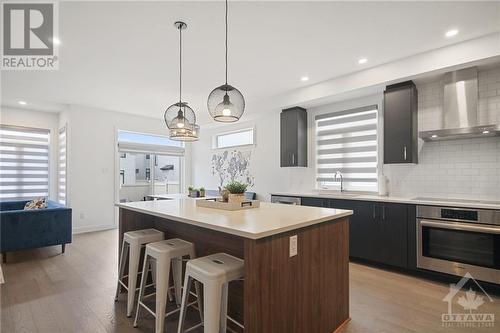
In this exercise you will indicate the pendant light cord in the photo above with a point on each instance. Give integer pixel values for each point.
(226, 42)
(180, 64)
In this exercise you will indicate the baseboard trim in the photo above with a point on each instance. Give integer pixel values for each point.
(82, 230)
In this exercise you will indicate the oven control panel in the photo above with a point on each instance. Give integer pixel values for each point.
(459, 214)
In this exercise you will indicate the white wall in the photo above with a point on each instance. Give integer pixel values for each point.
(92, 161)
(37, 119)
(265, 160)
(468, 169)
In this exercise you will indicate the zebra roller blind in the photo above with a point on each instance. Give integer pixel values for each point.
(61, 195)
(24, 162)
(347, 142)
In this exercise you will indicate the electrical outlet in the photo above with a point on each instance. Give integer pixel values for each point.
(293, 245)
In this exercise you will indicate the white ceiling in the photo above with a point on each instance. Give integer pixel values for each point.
(124, 55)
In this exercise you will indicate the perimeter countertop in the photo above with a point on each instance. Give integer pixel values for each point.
(255, 223)
(378, 198)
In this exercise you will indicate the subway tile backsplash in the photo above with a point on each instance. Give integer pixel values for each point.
(462, 169)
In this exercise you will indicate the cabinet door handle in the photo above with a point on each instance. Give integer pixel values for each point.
(293, 158)
(374, 212)
(383, 213)
(404, 153)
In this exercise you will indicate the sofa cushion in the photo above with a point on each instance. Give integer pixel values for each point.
(38, 203)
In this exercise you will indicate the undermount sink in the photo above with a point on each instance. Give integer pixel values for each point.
(338, 193)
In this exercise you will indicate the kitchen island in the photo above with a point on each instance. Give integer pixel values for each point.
(285, 288)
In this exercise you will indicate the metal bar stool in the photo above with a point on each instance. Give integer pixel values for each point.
(165, 253)
(215, 272)
(133, 241)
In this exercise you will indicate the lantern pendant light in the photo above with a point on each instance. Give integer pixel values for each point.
(226, 103)
(179, 117)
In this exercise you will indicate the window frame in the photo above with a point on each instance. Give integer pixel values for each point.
(63, 129)
(241, 130)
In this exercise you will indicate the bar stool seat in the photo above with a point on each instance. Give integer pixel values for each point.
(165, 253)
(132, 243)
(215, 272)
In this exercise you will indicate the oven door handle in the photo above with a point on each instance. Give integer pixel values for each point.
(461, 226)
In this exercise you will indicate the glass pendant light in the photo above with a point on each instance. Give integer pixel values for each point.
(179, 117)
(226, 103)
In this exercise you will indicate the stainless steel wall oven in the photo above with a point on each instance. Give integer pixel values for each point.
(456, 241)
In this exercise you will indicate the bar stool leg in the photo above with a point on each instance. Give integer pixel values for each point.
(162, 279)
(185, 297)
(121, 268)
(133, 267)
(144, 278)
(153, 271)
(223, 312)
(177, 274)
(212, 300)
(198, 298)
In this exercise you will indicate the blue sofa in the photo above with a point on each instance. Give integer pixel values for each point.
(28, 229)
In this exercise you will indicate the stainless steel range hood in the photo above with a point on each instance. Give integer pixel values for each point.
(460, 109)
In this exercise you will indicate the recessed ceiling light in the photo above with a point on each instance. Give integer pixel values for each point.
(451, 33)
(434, 136)
(486, 132)
(56, 41)
(362, 61)
(22, 102)
(304, 78)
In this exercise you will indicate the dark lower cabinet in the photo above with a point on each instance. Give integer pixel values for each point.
(391, 232)
(361, 228)
(378, 231)
(315, 202)
(412, 237)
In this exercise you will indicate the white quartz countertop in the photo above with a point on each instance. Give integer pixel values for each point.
(416, 201)
(267, 220)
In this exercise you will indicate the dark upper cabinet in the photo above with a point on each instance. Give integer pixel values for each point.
(400, 123)
(293, 137)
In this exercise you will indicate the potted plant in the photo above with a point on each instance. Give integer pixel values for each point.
(193, 192)
(202, 191)
(236, 192)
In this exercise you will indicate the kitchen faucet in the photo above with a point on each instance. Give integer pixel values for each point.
(338, 174)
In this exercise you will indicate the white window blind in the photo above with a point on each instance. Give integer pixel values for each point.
(347, 142)
(24, 162)
(61, 195)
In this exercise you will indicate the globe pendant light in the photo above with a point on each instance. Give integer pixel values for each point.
(179, 117)
(226, 103)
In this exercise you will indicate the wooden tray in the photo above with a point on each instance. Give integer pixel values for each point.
(214, 203)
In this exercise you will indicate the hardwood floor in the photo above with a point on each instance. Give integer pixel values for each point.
(45, 291)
